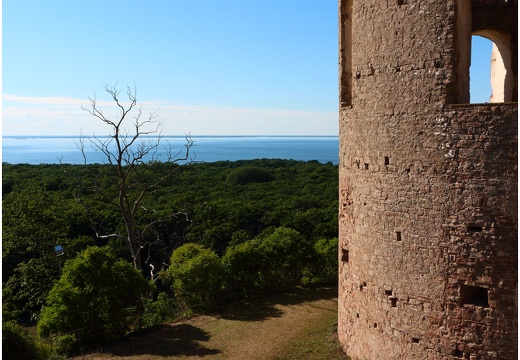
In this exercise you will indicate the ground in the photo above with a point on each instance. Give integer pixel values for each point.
(296, 325)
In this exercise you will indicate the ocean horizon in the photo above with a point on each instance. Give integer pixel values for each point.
(54, 149)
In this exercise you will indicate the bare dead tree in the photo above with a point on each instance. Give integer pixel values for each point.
(131, 150)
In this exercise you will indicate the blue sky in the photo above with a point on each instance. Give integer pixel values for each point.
(228, 67)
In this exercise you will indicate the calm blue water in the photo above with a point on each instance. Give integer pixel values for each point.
(52, 150)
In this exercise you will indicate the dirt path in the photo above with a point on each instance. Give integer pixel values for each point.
(259, 330)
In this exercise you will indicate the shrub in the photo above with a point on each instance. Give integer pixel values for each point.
(278, 257)
(324, 268)
(66, 344)
(249, 174)
(98, 293)
(244, 267)
(286, 253)
(195, 276)
(327, 250)
(158, 311)
(17, 344)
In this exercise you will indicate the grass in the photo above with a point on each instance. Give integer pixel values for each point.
(318, 342)
(298, 324)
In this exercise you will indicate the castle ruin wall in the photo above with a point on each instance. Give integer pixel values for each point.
(428, 189)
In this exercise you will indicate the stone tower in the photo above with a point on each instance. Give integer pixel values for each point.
(428, 181)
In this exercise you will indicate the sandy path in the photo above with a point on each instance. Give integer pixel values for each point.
(258, 330)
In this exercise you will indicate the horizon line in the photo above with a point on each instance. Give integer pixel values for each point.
(172, 135)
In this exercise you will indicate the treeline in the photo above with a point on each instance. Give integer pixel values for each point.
(227, 230)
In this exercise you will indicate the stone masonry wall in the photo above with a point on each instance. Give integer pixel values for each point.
(428, 192)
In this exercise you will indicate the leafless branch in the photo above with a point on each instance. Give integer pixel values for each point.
(129, 155)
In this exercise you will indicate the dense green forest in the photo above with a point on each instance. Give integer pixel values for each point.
(212, 233)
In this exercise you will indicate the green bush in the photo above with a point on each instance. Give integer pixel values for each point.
(324, 267)
(98, 293)
(17, 344)
(66, 344)
(244, 267)
(276, 258)
(249, 174)
(285, 253)
(161, 310)
(327, 250)
(195, 275)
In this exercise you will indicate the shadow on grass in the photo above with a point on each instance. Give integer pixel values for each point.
(164, 340)
(264, 308)
(184, 340)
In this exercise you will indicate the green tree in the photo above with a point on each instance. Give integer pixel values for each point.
(25, 292)
(195, 275)
(34, 221)
(97, 293)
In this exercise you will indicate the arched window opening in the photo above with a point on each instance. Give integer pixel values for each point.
(480, 70)
(491, 75)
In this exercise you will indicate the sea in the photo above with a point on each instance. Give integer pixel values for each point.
(64, 149)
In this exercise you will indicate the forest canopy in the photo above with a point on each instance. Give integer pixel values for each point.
(258, 221)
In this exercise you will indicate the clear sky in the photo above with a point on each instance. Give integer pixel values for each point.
(228, 67)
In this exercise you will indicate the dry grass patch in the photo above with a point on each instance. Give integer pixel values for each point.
(299, 324)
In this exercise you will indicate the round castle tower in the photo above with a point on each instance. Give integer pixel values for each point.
(428, 182)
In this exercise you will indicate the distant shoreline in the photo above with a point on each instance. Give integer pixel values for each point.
(171, 136)
(50, 149)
